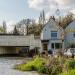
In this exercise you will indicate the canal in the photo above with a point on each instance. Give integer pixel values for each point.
(7, 63)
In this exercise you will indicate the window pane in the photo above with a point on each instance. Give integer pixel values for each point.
(74, 34)
(54, 34)
(58, 45)
(52, 45)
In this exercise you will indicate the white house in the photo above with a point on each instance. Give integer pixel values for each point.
(52, 36)
(22, 29)
(70, 35)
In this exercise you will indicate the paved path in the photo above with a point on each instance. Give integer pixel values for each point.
(7, 63)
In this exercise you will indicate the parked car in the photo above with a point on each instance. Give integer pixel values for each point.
(51, 52)
(70, 52)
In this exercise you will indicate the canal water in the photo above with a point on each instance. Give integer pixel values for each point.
(7, 63)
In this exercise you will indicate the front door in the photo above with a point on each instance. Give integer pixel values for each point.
(45, 47)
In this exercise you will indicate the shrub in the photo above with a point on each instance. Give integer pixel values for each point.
(70, 64)
(25, 67)
(55, 70)
(43, 69)
(54, 66)
(33, 65)
(51, 66)
(71, 72)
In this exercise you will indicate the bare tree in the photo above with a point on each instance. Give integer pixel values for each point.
(42, 18)
(65, 21)
(4, 26)
(27, 25)
(15, 31)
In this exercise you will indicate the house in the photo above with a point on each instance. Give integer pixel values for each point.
(22, 29)
(52, 36)
(70, 35)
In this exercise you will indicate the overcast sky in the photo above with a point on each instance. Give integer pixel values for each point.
(14, 10)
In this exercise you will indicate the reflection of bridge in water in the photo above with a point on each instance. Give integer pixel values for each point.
(9, 43)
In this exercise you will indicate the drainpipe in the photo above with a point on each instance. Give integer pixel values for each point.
(54, 46)
(62, 46)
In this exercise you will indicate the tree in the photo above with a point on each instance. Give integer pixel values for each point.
(65, 21)
(15, 31)
(1, 30)
(27, 25)
(42, 18)
(4, 27)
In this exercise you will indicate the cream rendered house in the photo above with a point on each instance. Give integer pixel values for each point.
(52, 36)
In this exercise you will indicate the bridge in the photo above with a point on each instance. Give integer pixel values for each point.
(9, 42)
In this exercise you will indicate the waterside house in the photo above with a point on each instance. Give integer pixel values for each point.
(52, 36)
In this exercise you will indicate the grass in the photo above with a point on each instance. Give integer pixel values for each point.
(70, 72)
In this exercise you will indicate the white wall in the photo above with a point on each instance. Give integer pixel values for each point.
(69, 38)
(19, 41)
(38, 44)
(46, 33)
(51, 26)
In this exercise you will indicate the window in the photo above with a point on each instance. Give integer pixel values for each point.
(58, 45)
(53, 34)
(74, 34)
(52, 45)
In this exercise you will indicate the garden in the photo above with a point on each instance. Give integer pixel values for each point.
(49, 65)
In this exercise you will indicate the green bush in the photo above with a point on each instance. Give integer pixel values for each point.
(25, 67)
(54, 66)
(33, 65)
(41, 65)
(70, 64)
(43, 69)
(71, 72)
(55, 70)
(51, 66)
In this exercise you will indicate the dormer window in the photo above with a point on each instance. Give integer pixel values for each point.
(53, 34)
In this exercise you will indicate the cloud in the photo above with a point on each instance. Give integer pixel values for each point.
(38, 4)
(50, 6)
(10, 25)
(73, 11)
(66, 2)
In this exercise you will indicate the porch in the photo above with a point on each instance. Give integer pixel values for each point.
(52, 45)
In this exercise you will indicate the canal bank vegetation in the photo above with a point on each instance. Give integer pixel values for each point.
(49, 65)
(70, 72)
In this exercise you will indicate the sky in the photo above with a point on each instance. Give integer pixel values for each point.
(13, 11)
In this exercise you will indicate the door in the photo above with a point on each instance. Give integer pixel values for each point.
(45, 47)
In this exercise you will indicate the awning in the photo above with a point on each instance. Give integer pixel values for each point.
(44, 40)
